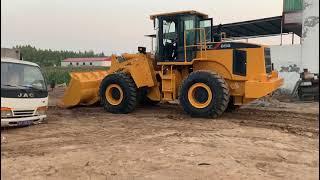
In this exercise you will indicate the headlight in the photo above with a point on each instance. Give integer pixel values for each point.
(6, 112)
(42, 110)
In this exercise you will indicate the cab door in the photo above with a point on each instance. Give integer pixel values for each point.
(188, 37)
(207, 25)
(191, 36)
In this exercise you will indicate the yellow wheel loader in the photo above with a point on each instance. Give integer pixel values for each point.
(208, 76)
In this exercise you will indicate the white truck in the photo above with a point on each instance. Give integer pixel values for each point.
(24, 94)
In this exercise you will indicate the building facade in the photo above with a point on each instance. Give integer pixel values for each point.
(310, 36)
(11, 53)
(95, 61)
(302, 16)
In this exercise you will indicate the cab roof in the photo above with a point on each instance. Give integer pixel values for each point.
(190, 12)
(17, 61)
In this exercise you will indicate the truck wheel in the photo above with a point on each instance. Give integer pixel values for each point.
(118, 93)
(204, 94)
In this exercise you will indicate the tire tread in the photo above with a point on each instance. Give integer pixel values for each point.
(130, 90)
(219, 83)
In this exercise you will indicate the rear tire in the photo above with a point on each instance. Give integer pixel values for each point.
(204, 94)
(118, 93)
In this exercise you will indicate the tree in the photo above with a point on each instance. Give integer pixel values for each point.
(48, 57)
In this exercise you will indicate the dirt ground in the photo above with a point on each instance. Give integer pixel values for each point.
(264, 140)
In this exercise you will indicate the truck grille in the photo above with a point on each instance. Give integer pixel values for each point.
(23, 113)
(267, 56)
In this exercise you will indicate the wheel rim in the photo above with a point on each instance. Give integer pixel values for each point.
(199, 95)
(114, 94)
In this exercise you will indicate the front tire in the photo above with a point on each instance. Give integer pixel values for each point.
(204, 94)
(118, 93)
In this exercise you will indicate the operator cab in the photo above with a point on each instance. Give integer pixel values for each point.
(176, 30)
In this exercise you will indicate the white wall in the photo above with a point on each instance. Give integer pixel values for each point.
(286, 55)
(287, 61)
(310, 36)
(106, 63)
(95, 63)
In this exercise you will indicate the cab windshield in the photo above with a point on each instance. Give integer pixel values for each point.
(21, 76)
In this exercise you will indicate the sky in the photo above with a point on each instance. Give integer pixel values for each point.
(111, 26)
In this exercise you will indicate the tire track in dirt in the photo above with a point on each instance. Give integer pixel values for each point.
(292, 122)
(306, 124)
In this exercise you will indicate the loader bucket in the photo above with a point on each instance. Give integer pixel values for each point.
(83, 89)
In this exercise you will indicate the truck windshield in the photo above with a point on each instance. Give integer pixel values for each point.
(21, 76)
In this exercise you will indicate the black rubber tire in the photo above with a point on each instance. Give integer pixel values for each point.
(148, 102)
(231, 107)
(144, 100)
(129, 102)
(309, 93)
(218, 87)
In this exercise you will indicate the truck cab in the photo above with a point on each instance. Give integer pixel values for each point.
(24, 94)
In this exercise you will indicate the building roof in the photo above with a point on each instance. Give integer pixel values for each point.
(91, 59)
(191, 12)
(258, 27)
(270, 26)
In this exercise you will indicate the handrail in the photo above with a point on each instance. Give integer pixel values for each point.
(202, 45)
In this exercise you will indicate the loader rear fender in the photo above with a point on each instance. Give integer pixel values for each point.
(219, 68)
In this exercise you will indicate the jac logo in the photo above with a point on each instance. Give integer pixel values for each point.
(225, 46)
(25, 95)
